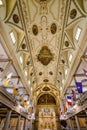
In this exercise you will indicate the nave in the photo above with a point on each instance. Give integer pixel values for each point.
(43, 64)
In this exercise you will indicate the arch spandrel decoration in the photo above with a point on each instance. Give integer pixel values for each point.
(46, 99)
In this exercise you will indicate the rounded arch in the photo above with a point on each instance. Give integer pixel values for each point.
(46, 98)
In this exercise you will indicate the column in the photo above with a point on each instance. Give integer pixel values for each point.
(24, 127)
(61, 105)
(71, 126)
(28, 124)
(31, 125)
(18, 122)
(7, 121)
(77, 122)
(86, 118)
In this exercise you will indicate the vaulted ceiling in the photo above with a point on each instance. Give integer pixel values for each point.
(45, 37)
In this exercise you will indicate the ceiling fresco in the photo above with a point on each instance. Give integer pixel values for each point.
(46, 99)
(45, 56)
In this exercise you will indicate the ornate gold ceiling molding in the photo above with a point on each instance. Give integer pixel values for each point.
(67, 44)
(69, 31)
(26, 23)
(74, 13)
(23, 47)
(42, 1)
(7, 45)
(81, 6)
(45, 56)
(19, 33)
(50, 9)
(15, 17)
(9, 8)
(82, 45)
(42, 85)
(32, 15)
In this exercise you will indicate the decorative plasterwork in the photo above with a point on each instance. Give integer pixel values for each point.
(41, 32)
(45, 55)
(50, 24)
(46, 88)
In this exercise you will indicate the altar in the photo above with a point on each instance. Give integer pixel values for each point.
(47, 121)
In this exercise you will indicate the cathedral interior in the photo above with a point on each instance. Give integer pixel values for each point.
(43, 64)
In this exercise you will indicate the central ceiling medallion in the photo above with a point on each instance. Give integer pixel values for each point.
(45, 55)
